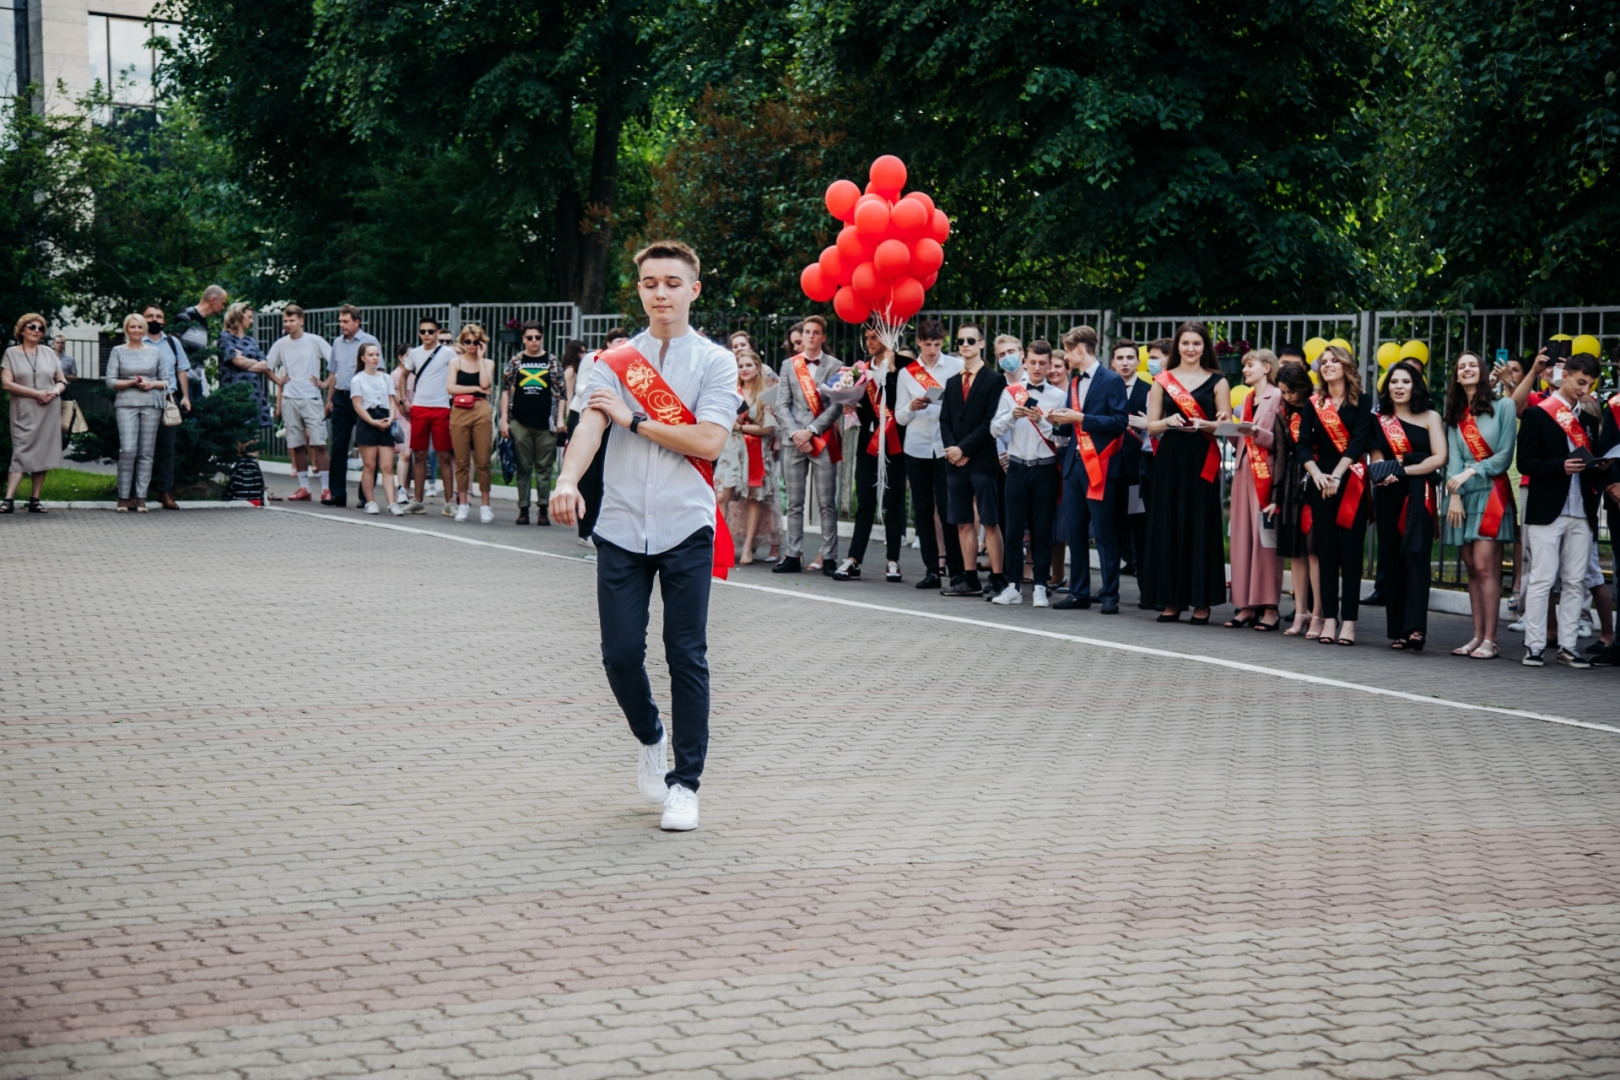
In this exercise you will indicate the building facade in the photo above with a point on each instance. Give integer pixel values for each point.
(68, 46)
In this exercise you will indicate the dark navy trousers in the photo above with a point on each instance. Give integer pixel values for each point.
(1093, 519)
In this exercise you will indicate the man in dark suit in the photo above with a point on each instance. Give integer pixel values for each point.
(1096, 408)
(966, 409)
(1130, 513)
(1560, 513)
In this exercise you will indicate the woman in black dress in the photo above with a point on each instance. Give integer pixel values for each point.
(1334, 457)
(1410, 437)
(1186, 558)
(1296, 421)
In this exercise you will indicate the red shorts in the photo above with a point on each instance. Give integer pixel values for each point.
(427, 421)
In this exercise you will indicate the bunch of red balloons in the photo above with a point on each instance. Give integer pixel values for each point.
(889, 252)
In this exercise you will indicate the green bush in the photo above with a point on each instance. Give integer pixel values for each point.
(210, 441)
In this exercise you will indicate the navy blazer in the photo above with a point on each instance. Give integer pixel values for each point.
(1130, 451)
(1106, 417)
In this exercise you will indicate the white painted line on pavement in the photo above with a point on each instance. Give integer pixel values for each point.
(983, 624)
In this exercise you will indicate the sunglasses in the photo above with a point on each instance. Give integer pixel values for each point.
(34, 326)
(531, 337)
(427, 333)
(967, 341)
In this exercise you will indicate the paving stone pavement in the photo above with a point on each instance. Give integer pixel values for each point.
(355, 801)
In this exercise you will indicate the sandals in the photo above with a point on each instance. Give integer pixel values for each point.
(1415, 641)
(35, 507)
(1241, 624)
(8, 506)
(1486, 651)
(1468, 649)
(1267, 627)
(1325, 637)
(1314, 633)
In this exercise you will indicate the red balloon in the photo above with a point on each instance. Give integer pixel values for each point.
(815, 284)
(872, 218)
(906, 299)
(840, 199)
(923, 198)
(891, 259)
(830, 264)
(910, 219)
(868, 286)
(941, 228)
(926, 257)
(849, 246)
(848, 307)
(888, 173)
(928, 282)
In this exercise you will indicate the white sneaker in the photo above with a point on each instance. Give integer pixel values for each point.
(486, 514)
(396, 509)
(414, 507)
(1517, 626)
(1012, 594)
(583, 541)
(650, 770)
(1040, 597)
(371, 508)
(463, 512)
(1585, 629)
(680, 810)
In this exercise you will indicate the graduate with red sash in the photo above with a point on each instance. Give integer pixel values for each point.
(1409, 445)
(1335, 460)
(812, 447)
(666, 402)
(879, 435)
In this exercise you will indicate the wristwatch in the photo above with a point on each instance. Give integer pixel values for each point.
(635, 421)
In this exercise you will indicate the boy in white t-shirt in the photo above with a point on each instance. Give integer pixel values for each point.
(295, 367)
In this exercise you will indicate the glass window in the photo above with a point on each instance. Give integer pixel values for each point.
(121, 59)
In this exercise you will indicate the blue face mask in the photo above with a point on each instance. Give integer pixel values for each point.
(1010, 363)
(1154, 366)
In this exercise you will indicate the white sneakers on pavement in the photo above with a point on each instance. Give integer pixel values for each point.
(371, 508)
(463, 512)
(680, 810)
(1040, 597)
(1012, 594)
(485, 515)
(650, 770)
(396, 509)
(414, 507)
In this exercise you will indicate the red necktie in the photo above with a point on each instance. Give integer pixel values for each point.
(967, 384)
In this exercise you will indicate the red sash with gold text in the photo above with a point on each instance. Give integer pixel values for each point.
(661, 403)
(1296, 422)
(886, 424)
(1259, 460)
(812, 399)
(1564, 416)
(1496, 507)
(1020, 394)
(1096, 463)
(1400, 446)
(1193, 411)
(1355, 482)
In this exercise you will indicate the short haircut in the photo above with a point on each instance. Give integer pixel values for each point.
(1290, 349)
(293, 309)
(1420, 389)
(615, 334)
(152, 307)
(1582, 364)
(213, 292)
(930, 329)
(534, 324)
(351, 311)
(671, 249)
(1006, 339)
(815, 320)
(965, 327)
(236, 315)
(1041, 347)
(1079, 335)
(430, 320)
(1164, 345)
(25, 320)
(1122, 343)
(1267, 357)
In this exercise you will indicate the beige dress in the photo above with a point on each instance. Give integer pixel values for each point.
(36, 429)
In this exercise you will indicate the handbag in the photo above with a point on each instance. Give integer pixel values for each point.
(171, 412)
(72, 419)
(465, 401)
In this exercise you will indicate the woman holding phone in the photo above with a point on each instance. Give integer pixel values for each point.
(372, 394)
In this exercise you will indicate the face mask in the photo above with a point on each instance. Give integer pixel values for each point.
(1154, 365)
(1010, 363)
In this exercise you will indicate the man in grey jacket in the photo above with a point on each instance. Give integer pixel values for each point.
(805, 413)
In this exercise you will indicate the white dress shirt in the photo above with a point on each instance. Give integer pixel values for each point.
(653, 498)
(345, 359)
(921, 439)
(1022, 440)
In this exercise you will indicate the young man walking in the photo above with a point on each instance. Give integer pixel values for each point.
(667, 400)
(814, 447)
(345, 362)
(916, 407)
(429, 414)
(533, 413)
(295, 366)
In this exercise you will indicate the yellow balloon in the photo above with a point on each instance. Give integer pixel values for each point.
(1239, 392)
(1313, 349)
(1388, 353)
(1141, 358)
(1316, 380)
(1415, 350)
(1343, 344)
(1560, 337)
(1587, 344)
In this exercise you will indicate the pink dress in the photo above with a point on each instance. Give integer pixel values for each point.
(1256, 570)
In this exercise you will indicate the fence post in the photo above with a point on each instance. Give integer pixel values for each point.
(1108, 328)
(455, 320)
(1369, 351)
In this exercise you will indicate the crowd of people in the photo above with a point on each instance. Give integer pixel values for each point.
(1019, 459)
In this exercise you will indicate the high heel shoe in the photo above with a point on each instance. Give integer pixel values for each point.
(1198, 620)
(1315, 631)
(1326, 635)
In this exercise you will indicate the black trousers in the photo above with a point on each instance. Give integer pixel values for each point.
(590, 484)
(1339, 553)
(624, 581)
(1032, 492)
(1130, 530)
(1404, 579)
(163, 460)
(337, 445)
(894, 505)
(926, 477)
